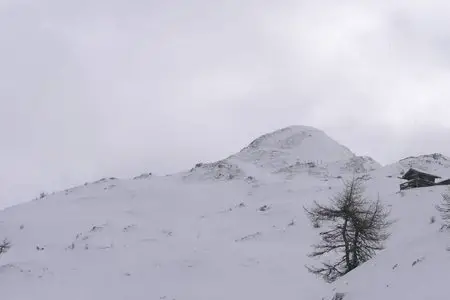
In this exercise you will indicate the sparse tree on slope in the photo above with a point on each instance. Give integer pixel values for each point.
(358, 228)
(444, 209)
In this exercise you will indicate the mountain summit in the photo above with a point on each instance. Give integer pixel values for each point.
(292, 150)
(294, 144)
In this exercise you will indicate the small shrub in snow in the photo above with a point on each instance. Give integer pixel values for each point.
(143, 176)
(129, 227)
(167, 232)
(250, 179)
(338, 296)
(96, 228)
(5, 246)
(311, 164)
(417, 261)
(249, 237)
(264, 208)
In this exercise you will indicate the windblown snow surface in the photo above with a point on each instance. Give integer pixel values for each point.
(232, 229)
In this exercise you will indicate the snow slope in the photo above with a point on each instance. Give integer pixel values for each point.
(204, 234)
(157, 239)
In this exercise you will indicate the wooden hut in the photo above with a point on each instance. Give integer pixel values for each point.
(417, 179)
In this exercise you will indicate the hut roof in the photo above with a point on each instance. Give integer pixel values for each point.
(411, 172)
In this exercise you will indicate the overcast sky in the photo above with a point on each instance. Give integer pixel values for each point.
(93, 88)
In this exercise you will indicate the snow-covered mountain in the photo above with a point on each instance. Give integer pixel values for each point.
(289, 151)
(232, 229)
(293, 144)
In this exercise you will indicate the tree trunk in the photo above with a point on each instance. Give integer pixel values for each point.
(354, 250)
(346, 244)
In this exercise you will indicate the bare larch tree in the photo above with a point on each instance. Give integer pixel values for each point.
(357, 229)
(444, 209)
